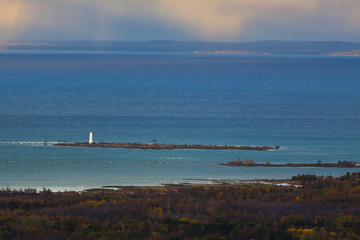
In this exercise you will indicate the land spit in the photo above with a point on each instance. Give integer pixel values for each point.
(157, 146)
(251, 163)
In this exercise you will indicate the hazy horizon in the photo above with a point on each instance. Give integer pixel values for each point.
(169, 40)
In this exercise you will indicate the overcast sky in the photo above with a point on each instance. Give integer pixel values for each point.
(190, 20)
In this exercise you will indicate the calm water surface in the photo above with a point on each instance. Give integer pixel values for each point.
(310, 106)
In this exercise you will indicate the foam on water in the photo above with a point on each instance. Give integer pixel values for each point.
(29, 143)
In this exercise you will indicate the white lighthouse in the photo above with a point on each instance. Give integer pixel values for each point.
(90, 138)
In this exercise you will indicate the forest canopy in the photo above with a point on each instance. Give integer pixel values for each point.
(323, 208)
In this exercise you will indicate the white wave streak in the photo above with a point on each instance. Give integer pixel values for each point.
(28, 143)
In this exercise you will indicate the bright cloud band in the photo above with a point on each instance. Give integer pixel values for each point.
(223, 20)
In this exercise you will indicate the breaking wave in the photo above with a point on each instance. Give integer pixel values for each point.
(29, 143)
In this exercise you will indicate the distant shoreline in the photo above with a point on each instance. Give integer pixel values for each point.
(157, 146)
(321, 48)
(251, 163)
(351, 53)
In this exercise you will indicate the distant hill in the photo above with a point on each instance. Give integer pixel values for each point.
(258, 47)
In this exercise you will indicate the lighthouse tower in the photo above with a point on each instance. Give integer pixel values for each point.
(90, 138)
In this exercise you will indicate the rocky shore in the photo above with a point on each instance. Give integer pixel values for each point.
(158, 146)
(251, 163)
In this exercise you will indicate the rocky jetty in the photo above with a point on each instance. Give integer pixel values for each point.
(250, 163)
(158, 146)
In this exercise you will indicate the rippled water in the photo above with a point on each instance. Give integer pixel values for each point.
(307, 105)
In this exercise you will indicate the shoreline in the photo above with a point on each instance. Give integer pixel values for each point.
(192, 182)
(157, 146)
(210, 183)
(251, 163)
(293, 182)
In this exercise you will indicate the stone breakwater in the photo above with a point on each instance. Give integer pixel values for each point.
(157, 146)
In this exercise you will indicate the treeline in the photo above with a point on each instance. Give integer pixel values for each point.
(324, 208)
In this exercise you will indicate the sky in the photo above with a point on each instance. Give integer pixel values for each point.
(183, 20)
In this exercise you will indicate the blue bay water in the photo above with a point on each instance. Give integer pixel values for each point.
(310, 106)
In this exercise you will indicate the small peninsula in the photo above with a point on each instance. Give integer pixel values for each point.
(157, 146)
(251, 163)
